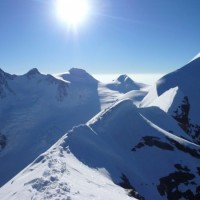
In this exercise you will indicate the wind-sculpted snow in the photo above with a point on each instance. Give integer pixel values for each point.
(121, 146)
(112, 134)
(57, 174)
(37, 109)
(177, 93)
(123, 152)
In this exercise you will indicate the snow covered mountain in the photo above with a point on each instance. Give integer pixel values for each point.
(37, 109)
(124, 152)
(178, 94)
(140, 149)
(124, 84)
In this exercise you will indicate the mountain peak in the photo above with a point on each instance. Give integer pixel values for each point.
(124, 78)
(78, 75)
(123, 84)
(32, 72)
(77, 71)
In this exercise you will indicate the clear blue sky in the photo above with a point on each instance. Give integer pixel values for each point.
(119, 36)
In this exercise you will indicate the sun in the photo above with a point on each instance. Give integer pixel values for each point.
(72, 12)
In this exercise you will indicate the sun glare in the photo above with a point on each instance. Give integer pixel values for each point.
(72, 12)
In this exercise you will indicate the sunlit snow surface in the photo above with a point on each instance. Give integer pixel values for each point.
(37, 109)
(59, 175)
(182, 82)
(127, 141)
(88, 160)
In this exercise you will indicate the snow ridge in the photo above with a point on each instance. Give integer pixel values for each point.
(111, 151)
(108, 154)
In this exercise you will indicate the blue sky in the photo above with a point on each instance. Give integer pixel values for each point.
(119, 36)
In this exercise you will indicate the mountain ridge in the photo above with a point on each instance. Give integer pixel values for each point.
(126, 147)
(37, 109)
(122, 150)
(187, 81)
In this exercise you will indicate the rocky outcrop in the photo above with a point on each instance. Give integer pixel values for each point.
(130, 189)
(3, 141)
(176, 185)
(181, 115)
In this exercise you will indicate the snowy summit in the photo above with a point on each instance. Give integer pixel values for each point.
(69, 136)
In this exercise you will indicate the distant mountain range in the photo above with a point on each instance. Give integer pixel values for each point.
(37, 109)
(124, 143)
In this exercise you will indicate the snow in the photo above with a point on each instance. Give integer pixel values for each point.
(146, 78)
(89, 161)
(195, 57)
(77, 75)
(187, 80)
(124, 84)
(151, 96)
(170, 99)
(159, 118)
(58, 174)
(57, 179)
(135, 95)
(120, 137)
(37, 109)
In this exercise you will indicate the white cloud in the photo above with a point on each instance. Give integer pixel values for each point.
(142, 78)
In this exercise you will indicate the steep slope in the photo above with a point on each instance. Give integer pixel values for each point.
(36, 110)
(141, 150)
(183, 100)
(197, 56)
(4, 87)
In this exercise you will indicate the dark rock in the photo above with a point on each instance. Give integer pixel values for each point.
(153, 141)
(169, 185)
(183, 168)
(3, 141)
(131, 190)
(182, 112)
(181, 115)
(198, 170)
(186, 149)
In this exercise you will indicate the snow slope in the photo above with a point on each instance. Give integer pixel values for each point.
(61, 176)
(140, 149)
(37, 109)
(177, 93)
(197, 56)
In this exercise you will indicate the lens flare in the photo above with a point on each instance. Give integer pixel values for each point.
(72, 12)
